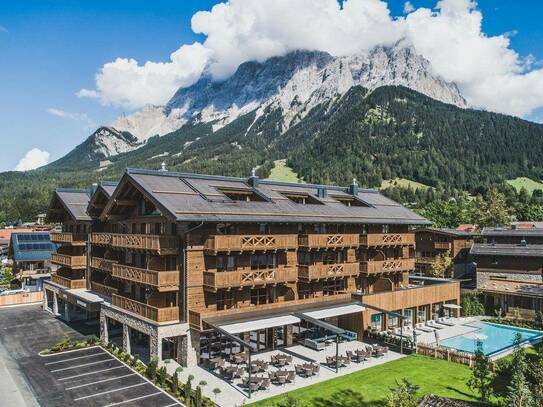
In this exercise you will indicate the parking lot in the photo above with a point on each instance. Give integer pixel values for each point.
(92, 377)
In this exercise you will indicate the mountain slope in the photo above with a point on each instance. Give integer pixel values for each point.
(372, 135)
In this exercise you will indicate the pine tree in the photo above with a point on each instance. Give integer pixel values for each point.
(536, 373)
(518, 392)
(481, 374)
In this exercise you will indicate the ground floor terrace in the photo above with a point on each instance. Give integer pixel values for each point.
(516, 299)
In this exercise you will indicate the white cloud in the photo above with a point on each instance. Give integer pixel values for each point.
(408, 7)
(33, 159)
(67, 115)
(489, 72)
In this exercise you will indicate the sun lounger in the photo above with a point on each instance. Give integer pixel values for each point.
(432, 324)
(423, 328)
(445, 321)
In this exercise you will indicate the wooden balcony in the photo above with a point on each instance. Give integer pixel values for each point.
(387, 266)
(103, 289)
(320, 241)
(144, 310)
(68, 283)
(387, 239)
(325, 271)
(161, 244)
(162, 280)
(102, 264)
(442, 245)
(251, 243)
(74, 239)
(73, 262)
(214, 280)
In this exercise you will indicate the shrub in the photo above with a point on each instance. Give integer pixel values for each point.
(198, 397)
(188, 390)
(152, 368)
(471, 304)
(162, 376)
(175, 383)
(92, 340)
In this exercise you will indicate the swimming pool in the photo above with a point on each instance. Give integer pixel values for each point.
(495, 338)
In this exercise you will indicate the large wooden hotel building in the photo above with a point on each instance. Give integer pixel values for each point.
(163, 259)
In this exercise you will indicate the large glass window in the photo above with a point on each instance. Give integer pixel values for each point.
(376, 322)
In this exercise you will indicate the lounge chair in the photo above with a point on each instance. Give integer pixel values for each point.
(432, 324)
(423, 328)
(445, 321)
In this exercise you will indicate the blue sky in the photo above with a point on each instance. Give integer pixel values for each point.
(50, 49)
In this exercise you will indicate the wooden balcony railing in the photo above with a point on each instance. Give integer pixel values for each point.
(240, 243)
(75, 239)
(214, 280)
(387, 266)
(74, 262)
(103, 289)
(162, 244)
(68, 283)
(102, 264)
(144, 310)
(387, 239)
(442, 245)
(324, 271)
(318, 241)
(163, 280)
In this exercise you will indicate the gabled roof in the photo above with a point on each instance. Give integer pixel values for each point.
(501, 249)
(490, 232)
(31, 246)
(101, 193)
(195, 198)
(73, 201)
(449, 232)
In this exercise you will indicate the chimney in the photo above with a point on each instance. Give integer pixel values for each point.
(353, 188)
(321, 192)
(163, 167)
(253, 179)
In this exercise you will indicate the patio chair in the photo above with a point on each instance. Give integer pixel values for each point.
(254, 386)
(289, 359)
(271, 375)
(330, 360)
(350, 355)
(265, 384)
(245, 381)
(299, 370)
(291, 376)
(264, 366)
(273, 359)
(316, 369)
(240, 371)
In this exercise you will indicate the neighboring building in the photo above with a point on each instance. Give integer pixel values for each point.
(68, 294)
(433, 242)
(509, 268)
(175, 255)
(31, 256)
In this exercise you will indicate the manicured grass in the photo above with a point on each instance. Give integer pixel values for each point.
(282, 172)
(403, 183)
(527, 183)
(370, 387)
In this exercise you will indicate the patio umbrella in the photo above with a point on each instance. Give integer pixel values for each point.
(452, 306)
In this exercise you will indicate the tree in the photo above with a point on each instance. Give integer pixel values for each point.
(518, 392)
(403, 395)
(175, 383)
(216, 392)
(536, 373)
(492, 210)
(442, 265)
(481, 374)
(188, 390)
(162, 374)
(471, 304)
(151, 370)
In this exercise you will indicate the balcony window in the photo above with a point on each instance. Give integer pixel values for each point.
(331, 287)
(302, 198)
(226, 263)
(263, 261)
(242, 194)
(225, 300)
(258, 296)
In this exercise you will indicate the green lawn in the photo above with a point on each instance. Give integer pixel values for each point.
(282, 172)
(527, 183)
(369, 387)
(404, 183)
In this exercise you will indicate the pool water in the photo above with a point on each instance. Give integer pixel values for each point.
(495, 338)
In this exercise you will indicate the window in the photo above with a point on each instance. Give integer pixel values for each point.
(331, 287)
(386, 228)
(264, 228)
(242, 194)
(302, 198)
(225, 300)
(258, 296)
(350, 201)
(158, 228)
(226, 263)
(304, 291)
(263, 261)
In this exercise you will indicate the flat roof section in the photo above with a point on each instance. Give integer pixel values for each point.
(513, 287)
(497, 249)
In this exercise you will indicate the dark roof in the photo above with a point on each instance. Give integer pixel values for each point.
(448, 231)
(511, 232)
(108, 187)
(74, 201)
(101, 192)
(498, 249)
(193, 197)
(31, 246)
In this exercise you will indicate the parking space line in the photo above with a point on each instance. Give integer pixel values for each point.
(89, 373)
(135, 399)
(83, 365)
(100, 381)
(79, 357)
(174, 404)
(110, 391)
